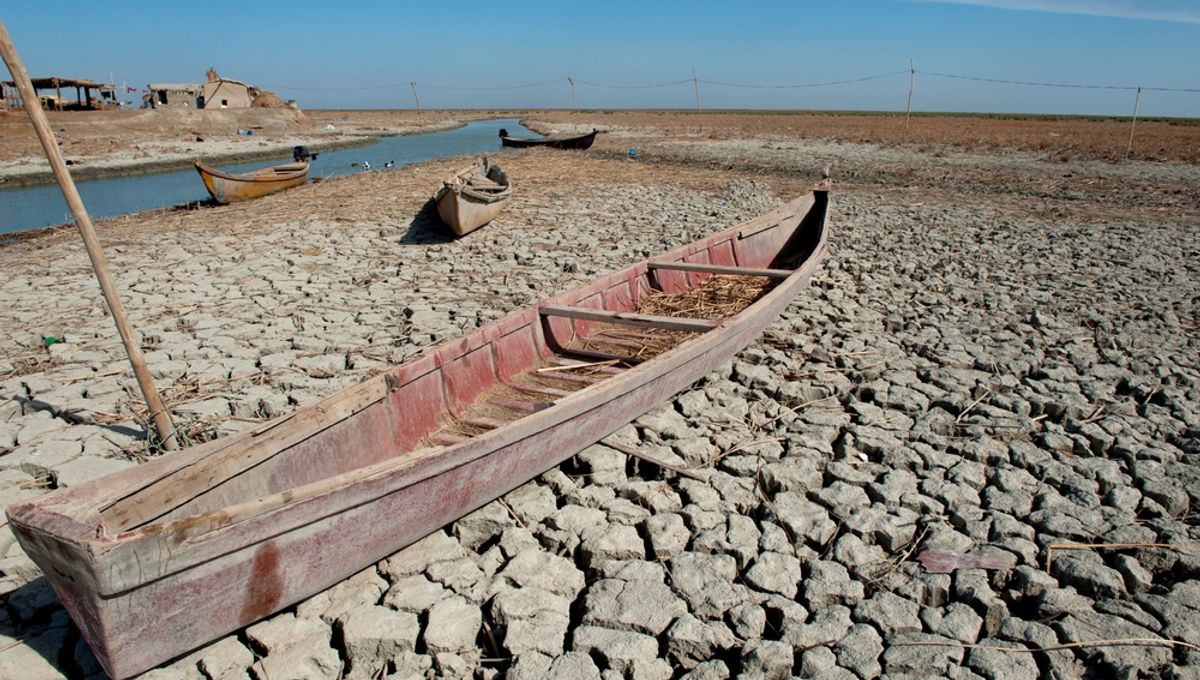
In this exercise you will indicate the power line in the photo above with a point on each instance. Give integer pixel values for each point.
(1127, 88)
(410, 83)
(831, 82)
(557, 81)
(634, 87)
(338, 89)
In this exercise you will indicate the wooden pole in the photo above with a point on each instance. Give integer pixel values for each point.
(415, 97)
(574, 106)
(912, 81)
(158, 414)
(696, 85)
(1137, 99)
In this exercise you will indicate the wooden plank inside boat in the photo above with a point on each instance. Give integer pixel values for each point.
(639, 320)
(720, 269)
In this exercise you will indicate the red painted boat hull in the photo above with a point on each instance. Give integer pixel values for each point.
(155, 561)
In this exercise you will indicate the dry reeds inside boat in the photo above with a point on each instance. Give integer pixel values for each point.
(718, 297)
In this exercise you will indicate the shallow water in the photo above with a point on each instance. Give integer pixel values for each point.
(39, 206)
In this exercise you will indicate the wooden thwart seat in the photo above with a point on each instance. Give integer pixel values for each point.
(484, 422)
(721, 269)
(630, 318)
(571, 378)
(543, 390)
(485, 185)
(525, 407)
(607, 367)
(584, 353)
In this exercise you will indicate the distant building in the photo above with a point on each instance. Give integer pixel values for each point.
(226, 93)
(174, 95)
(214, 93)
(89, 94)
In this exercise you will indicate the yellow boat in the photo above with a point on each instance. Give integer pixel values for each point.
(228, 187)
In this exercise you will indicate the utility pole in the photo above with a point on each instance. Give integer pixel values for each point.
(574, 107)
(417, 99)
(696, 85)
(912, 81)
(1136, 100)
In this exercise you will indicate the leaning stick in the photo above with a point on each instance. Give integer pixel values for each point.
(162, 419)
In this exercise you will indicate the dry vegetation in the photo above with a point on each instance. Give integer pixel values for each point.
(1059, 137)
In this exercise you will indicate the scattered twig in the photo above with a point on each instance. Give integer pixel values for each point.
(513, 513)
(493, 647)
(14, 643)
(794, 410)
(100, 374)
(861, 353)
(1123, 642)
(968, 409)
(686, 472)
(814, 645)
(1113, 546)
(36, 483)
(740, 447)
(903, 558)
(1099, 413)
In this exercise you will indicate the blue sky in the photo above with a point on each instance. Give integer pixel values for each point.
(364, 54)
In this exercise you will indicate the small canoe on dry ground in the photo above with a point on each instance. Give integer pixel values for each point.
(473, 197)
(157, 560)
(228, 187)
(580, 142)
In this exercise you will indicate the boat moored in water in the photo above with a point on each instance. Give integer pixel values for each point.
(579, 143)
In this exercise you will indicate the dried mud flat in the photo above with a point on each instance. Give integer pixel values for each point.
(997, 362)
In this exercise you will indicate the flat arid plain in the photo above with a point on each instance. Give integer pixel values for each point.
(970, 449)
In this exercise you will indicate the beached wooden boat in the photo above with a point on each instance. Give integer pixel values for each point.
(580, 142)
(473, 197)
(156, 560)
(228, 187)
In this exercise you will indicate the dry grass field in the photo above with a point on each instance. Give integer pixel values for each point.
(1058, 138)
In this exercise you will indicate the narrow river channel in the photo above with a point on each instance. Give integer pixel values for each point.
(24, 208)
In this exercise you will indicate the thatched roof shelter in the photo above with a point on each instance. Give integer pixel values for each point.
(104, 98)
